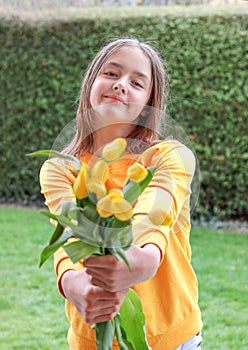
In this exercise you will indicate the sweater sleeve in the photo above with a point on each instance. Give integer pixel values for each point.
(56, 179)
(169, 190)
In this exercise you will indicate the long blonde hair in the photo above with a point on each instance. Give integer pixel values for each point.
(146, 129)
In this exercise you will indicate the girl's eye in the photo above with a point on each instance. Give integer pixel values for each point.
(110, 74)
(138, 84)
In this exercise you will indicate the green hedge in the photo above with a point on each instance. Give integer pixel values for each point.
(41, 71)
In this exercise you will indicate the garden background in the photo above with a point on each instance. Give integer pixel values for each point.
(43, 56)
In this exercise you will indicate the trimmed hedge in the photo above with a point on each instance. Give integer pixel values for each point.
(206, 57)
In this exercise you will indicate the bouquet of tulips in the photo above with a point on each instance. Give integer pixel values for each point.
(101, 220)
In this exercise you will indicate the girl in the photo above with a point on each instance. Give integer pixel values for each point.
(121, 96)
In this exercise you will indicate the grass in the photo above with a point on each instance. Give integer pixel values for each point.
(221, 263)
(32, 311)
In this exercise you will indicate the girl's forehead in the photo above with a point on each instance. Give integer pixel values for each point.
(131, 53)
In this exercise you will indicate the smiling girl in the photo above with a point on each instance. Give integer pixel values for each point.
(122, 95)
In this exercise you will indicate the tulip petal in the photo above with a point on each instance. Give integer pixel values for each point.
(114, 149)
(115, 195)
(79, 186)
(96, 186)
(100, 170)
(103, 207)
(123, 210)
(137, 172)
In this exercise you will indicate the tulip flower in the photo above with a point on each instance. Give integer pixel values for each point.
(114, 149)
(115, 204)
(79, 187)
(160, 217)
(137, 172)
(96, 186)
(100, 171)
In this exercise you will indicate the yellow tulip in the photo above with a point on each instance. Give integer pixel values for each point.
(103, 207)
(114, 149)
(123, 210)
(115, 204)
(79, 186)
(137, 172)
(100, 171)
(97, 186)
(160, 217)
(115, 195)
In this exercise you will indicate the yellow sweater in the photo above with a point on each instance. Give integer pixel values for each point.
(170, 298)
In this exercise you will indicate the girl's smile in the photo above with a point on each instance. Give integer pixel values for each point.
(115, 99)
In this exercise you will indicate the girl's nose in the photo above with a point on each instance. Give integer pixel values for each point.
(120, 86)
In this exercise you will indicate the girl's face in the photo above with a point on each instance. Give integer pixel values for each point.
(122, 87)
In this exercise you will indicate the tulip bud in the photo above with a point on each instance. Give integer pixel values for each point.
(160, 217)
(115, 204)
(123, 210)
(137, 172)
(115, 195)
(114, 150)
(96, 186)
(79, 186)
(103, 207)
(100, 171)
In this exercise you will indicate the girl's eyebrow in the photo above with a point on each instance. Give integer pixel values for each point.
(117, 65)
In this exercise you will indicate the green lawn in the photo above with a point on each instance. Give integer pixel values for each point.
(32, 311)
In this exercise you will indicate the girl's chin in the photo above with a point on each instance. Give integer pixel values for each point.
(112, 113)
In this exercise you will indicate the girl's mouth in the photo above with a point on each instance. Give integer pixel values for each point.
(116, 99)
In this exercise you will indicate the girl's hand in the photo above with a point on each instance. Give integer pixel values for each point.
(114, 276)
(92, 302)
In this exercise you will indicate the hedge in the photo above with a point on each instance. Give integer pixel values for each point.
(206, 57)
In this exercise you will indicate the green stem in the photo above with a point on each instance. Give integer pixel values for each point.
(96, 228)
(136, 214)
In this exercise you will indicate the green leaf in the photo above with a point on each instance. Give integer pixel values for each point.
(65, 221)
(104, 335)
(119, 253)
(132, 321)
(122, 255)
(56, 154)
(86, 230)
(133, 189)
(88, 213)
(122, 342)
(115, 223)
(118, 235)
(57, 233)
(143, 184)
(80, 250)
(48, 214)
(52, 248)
